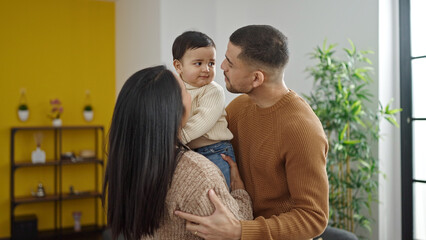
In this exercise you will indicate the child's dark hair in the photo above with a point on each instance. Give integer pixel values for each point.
(190, 40)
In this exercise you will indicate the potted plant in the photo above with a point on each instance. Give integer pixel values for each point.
(339, 98)
(23, 111)
(55, 113)
(88, 113)
(88, 109)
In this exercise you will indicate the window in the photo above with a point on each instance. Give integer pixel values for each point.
(413, 118)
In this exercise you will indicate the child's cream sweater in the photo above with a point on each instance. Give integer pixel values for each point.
(207, 124)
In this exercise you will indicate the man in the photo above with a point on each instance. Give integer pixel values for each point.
(279, 144)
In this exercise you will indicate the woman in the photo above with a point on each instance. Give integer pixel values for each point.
(150, 173)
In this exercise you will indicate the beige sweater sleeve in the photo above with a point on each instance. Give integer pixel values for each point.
(195, 199)
(207, 108)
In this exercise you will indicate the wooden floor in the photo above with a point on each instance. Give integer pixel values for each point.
(97, 236)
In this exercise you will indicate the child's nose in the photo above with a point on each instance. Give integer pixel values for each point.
(206, 68)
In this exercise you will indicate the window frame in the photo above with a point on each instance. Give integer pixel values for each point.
(407, 178)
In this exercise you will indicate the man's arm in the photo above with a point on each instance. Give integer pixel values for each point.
(222, 224)
(304, 220)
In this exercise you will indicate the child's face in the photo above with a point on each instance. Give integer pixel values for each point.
(197, 66)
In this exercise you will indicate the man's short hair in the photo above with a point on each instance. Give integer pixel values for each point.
(261, 44)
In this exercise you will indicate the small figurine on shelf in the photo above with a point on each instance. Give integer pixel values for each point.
(77, 222)
(72, 191)
(88, 109)
(38, 155)
(40, 191)
(87, 154)
(23, 112)
(55, 113)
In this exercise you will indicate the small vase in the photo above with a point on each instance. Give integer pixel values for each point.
(77, 221)
(57, 122)
(88, 115)
(38, 156)
(23, 115)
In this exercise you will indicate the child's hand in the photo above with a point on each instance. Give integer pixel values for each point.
(236, 181)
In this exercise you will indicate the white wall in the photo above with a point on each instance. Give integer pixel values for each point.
(137, 41)
(146, 30)
(390, 145)
(305, 22)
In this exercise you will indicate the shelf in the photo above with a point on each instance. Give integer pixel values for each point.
(55, 163)
(52, 128)
(30, 164)
(51, 197)
(87, 232)
(31, 199)
(85, 161)
(60, 195)
(90, 194)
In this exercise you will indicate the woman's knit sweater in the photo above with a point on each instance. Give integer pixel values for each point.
(194, 176)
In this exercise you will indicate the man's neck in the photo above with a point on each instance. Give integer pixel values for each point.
(268, 94)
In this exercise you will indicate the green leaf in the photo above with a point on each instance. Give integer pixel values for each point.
(367, 60)
(364, 163)
(342, 133)
(367, 52)
(352, 45)
(359, 76)
(357, 110)
(349, 52)
(351, 142)
(392, 121)
(356, 105)
(394, 111)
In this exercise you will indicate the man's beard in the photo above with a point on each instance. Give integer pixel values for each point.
(232, 89)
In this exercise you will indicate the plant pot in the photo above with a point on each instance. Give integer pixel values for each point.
(23, 115)
(57, 122)
(88, 115)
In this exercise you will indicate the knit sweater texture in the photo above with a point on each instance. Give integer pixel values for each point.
(281, 154)
(207, 123)
(194, 176)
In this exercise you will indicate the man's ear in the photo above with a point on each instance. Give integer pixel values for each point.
(178, 66)
(258, 78)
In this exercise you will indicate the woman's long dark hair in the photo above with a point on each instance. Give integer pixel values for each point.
(143, 152)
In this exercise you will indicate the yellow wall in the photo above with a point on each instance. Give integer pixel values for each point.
(52, 48)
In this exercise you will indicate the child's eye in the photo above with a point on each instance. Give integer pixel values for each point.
(211, 64)
(197, 64)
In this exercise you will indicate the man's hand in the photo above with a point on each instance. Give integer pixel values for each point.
(236, 181)
(222, 224)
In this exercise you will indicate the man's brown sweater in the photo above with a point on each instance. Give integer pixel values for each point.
(281, 154)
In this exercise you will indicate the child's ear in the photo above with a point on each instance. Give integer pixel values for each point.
(178, 66)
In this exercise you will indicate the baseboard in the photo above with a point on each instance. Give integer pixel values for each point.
(4, 238)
